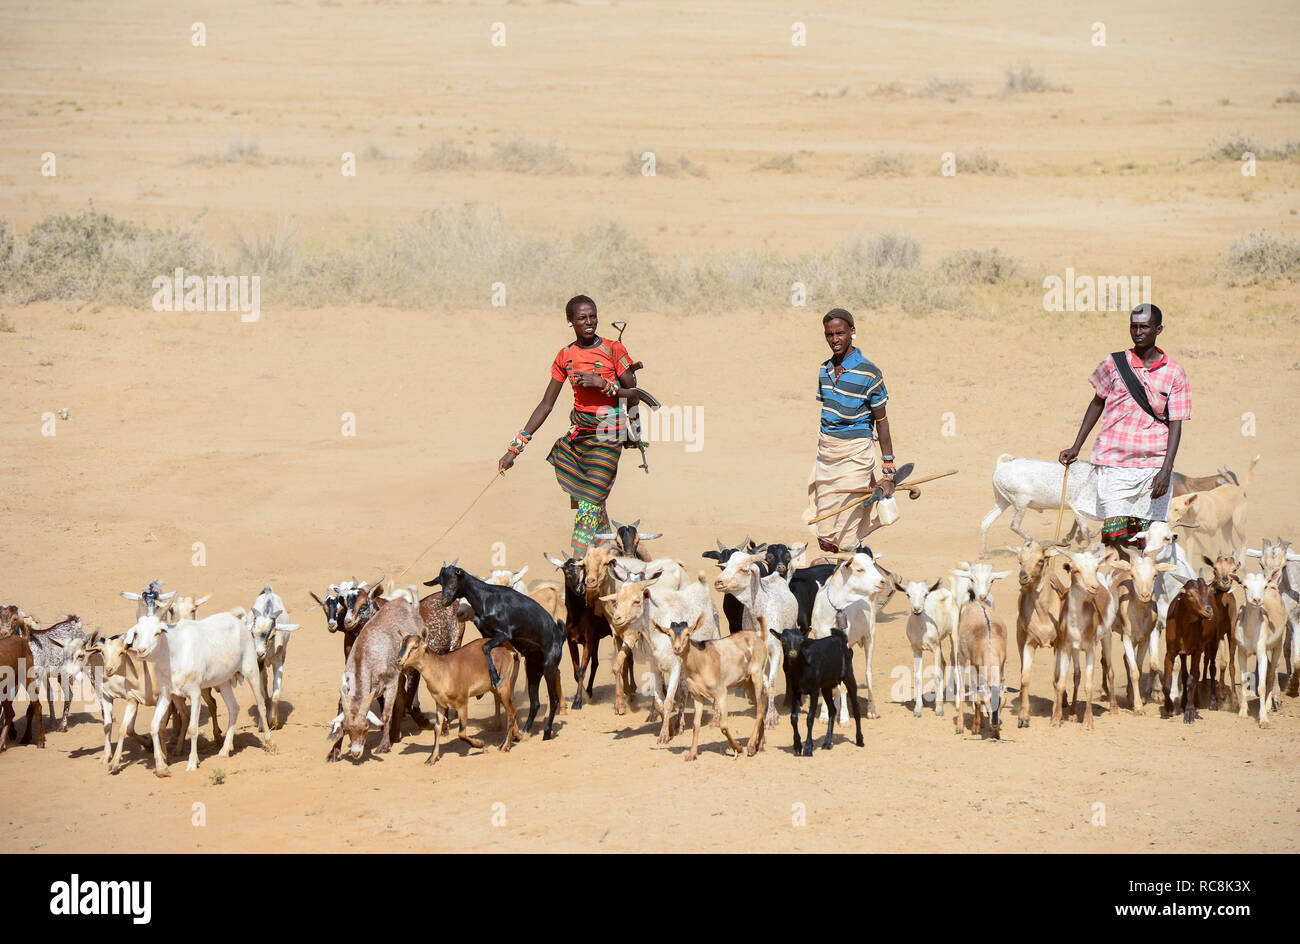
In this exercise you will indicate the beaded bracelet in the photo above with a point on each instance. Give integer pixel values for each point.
(610, 389)
(519, 442)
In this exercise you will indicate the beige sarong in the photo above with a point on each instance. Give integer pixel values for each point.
(841, 463)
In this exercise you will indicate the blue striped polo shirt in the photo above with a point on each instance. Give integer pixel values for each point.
(847, 403)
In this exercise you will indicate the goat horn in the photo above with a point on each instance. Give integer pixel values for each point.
(721, 546)
(636, 523)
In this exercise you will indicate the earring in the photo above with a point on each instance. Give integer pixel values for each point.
(852, 336)
(570, 324)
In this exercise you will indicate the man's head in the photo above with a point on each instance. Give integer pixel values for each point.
(1144, 323)
(581, 314)
(839, 326)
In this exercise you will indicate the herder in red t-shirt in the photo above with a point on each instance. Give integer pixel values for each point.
(586, 458)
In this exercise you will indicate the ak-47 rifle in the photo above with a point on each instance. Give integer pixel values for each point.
(634, 418)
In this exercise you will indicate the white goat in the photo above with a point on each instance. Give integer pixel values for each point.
(932, 618)
(194, 655)
(847, 601)
(769, 605)
(1025, 484)
(1261, 625)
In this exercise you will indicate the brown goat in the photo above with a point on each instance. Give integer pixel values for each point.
(982, 650)
(1189, 631)
(1222, 650)
(453, 679)
(16, 664)
(713, 667)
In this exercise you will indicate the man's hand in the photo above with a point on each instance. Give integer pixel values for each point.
(1160, 484)
(1068, 455)
(506, 461)
(887, 487)
(582, 378)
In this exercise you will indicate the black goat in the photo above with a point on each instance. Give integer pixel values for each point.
(812, 666)
(583, 624)
(507, 617)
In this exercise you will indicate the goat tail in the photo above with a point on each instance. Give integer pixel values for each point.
(1250, 474)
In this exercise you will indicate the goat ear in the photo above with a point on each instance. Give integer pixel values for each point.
(1207, 560)
(1251, 552)
(130, 596)
(650, 537)
(608, 598)
(999, 574)
(520, 576)
(712, 554)
(898, 585)
(559, 564)
(312, 594)
(935, 586)
(435, 582)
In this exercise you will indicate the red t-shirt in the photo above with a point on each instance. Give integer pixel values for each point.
(608, 359)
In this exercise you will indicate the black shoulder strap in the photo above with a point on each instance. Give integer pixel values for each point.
(1134, 386)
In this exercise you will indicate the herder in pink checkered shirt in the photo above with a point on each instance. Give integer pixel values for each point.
(1134, 451)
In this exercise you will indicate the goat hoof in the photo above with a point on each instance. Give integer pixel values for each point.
(916, 712)
(938, 712)
(548, 735)
(860, 742)
(63, 726)
(1022, 723)
(826, 745)
(162, 772)
(1264, 724)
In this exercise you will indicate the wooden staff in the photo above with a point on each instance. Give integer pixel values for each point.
(871, 492)
(1061, 511)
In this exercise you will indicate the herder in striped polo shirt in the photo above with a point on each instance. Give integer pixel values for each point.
(1134, 451)
(853, 396)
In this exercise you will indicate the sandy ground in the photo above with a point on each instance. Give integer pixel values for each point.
(197, 428)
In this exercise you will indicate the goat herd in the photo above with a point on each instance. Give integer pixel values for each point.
(779, 615)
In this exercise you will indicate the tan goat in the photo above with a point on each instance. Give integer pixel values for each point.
(714, 666)
(981, 653)
(453, 679)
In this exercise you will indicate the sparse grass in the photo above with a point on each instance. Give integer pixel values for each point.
(238, 151)
(77, 326)
(1022, 78)
(887, 250)
(881, 164)
(838, 91)
(1261, 257)
(980, 161)
(1289, 97)
(633, 164)
(444, 155)
(785, 163)
(893, 88)
(1237, 144)
(7, 326)
(951, 89)
(448, 256)
(376, 153)
(268, 253)
(522, 156)
(218, 777)
(977, 267)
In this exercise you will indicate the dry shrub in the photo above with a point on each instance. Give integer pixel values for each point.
(444, 155)
(1237, 144)
(1261, 257)
(978, 267)
(522, 156)
(94, 255)
(881, 164)
(785, 163)
(980, 161)
(451, 256)
(951, 89)
(1023, 78)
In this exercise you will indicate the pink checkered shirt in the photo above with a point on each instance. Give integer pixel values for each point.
(1129, 438)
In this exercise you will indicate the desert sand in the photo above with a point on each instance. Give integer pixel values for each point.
(195, 427)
